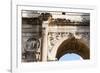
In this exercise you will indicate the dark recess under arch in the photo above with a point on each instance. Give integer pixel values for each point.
(73, 45)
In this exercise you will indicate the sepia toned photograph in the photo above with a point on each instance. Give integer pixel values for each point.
(49, 37)
(55, 36)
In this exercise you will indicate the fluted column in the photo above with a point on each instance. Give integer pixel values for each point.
(44, 41)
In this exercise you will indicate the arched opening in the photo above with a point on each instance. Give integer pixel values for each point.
(73, 45)
(70, 57)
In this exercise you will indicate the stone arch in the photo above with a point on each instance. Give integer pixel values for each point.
(73, 45)
(55, 48)
(70, 45)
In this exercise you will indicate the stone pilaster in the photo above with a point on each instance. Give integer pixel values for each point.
(44, 36)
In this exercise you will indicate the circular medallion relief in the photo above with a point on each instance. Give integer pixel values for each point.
(32, 44)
